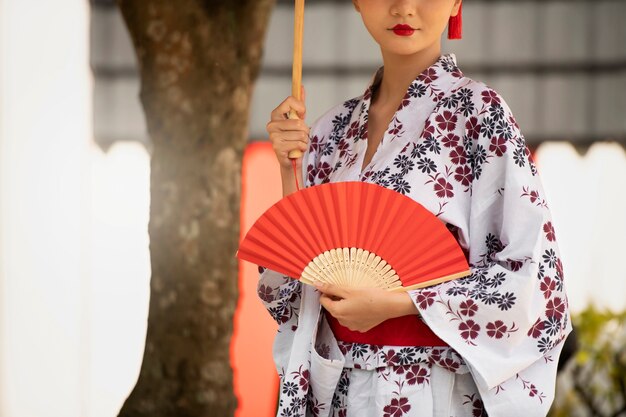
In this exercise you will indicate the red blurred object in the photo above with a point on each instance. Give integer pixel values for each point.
(255, 379)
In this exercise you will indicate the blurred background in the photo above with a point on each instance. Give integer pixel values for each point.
(75, 197)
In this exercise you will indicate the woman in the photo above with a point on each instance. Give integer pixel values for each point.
(452, 144)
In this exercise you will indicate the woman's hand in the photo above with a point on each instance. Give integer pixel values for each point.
(288, 134)
(360, 309)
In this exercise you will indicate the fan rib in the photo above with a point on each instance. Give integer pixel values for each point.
(344, 254)
(433, 281)
(361, 258)
(308, 276)
(374, 262)
(334, 269)
(338, 268)
(341, 273)
(318, 266)
(341, 268)
(353, 266)
(324, 269)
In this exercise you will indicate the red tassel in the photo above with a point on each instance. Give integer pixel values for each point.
(455, 25)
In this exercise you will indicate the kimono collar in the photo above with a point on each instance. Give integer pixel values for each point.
(435, 79)
(420, 100)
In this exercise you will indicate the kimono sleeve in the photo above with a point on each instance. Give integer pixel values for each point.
(279, 293)
(512, 310)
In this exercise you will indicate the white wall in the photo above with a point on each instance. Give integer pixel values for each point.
(587, 199)
(119, 275)
(45, 125)
(74, 263)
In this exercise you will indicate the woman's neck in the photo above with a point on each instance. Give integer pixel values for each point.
(398, 73)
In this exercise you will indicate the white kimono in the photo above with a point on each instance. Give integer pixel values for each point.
(453, 146)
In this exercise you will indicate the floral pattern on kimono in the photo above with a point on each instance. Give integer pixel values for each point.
(454, 146)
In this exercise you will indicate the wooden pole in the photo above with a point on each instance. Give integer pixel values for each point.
(296, 74)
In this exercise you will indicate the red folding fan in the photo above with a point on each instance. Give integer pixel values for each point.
(354, 234)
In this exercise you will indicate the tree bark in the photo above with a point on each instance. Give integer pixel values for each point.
(198, 62)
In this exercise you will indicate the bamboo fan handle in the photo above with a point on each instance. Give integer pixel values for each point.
(296, 74)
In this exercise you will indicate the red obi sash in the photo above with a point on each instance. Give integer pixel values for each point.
(399, 331)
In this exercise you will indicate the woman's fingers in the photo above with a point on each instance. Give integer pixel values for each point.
(330, 289)
(282, 151)
(287, 125)
(331, 305)
(289, 103)
(287, 134)
(288, 139)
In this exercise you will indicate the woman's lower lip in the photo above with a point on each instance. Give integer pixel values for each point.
(403, 32)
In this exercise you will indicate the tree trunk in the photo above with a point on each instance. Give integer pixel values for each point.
(198, 61)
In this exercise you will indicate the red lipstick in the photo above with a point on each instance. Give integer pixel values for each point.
(403, 30)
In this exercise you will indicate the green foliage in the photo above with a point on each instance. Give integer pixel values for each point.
(594, 381)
